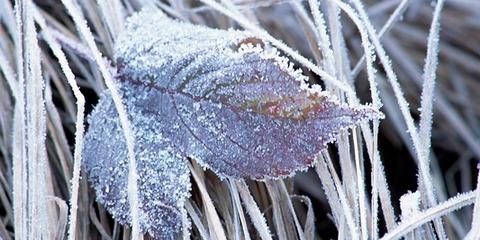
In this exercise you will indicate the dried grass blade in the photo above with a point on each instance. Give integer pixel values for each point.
(79, 123)
(238, 208)
(437, 211)
(256, 216)
(211, 213)
(196, 220)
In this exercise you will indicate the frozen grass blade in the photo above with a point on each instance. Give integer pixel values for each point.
(79, 133)
(62, 218)
(283, 229)
(429, 79)
(8, 17)
(425, 128)
(361, 187)
(212, 216)
(256, 215)
(196, 220)
(430, 214)
(369, 53)
(375, 181)
(30, 211)
(348, 173)
(113, 16)
(474, 232)
(395, 17)
(238, 207)
(283, 190)
(9, 74)
(347, 210)
(309, 218)
(330, 191)
(324, 40)
(19, 154)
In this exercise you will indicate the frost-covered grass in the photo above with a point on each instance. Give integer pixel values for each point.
(410, 175)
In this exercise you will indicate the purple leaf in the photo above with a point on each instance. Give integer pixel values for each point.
(223, 98)
(164, 179)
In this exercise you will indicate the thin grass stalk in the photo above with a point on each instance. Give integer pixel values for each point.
(18, 174)
(348, 173)
(452, 204)
(361, 186)
(283, 190)
(347, 210)
(309, 30)
(394, 18)
(238, 208)
(474, 232)
(72, 44)
(340, 51)
(30, 210)
(429, 76)
(36, 130)
(375, 173)
(91, 14)
(426, 113)
(196, 220)
(8, 17)
(8, 73)
(113, 16)
(369, 53)
(62, 220)
(379, 174)
(19, 154)
(309, 218)
(323, 41)
(256, 216)
(387, 207)
(186, 225)
(343, 72)
(211, 213)
(58, 138)
(329, 189)
(56, 82)
(52, 181)
(79, 123)
(98, 225)
(279, 223)
(441, 104)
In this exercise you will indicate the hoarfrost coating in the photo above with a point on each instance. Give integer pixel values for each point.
(221, 97)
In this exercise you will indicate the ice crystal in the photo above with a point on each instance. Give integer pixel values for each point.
(221, 97)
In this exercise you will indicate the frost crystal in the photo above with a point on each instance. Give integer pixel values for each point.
(220, 97)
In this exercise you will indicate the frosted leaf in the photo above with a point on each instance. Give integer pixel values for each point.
(221, 97)
(163, 182)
